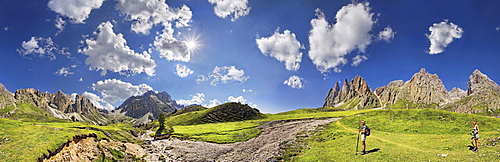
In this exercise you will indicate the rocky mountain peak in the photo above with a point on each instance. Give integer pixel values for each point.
(481, 83)
(356, 90)
(423, 71)
(6, 98)
(457, 93)
(149, 102)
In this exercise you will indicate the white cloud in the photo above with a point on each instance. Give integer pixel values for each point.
(195, 100)
(182, 70)
(147, 13)
(295, 82)
(213, 103)
(81, 79)
(387, 34)
(113, 90)
(224, 75)
(109, 52)
(239, 99)
(41, 47)
(497, 28)
(97, 101)
(6, 28)
(283, 47)
(60, 24)
(170, 48)
(64, 71)
(442, 34)
(329, 43)
(358, 59)
(242, 100)
(247, 90)
(232, 8)
(77, 10)
(144, 14)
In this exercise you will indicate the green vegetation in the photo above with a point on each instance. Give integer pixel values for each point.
(31, 131)
(405, 135)
(405, 104)
(228, 112)
(231, 132)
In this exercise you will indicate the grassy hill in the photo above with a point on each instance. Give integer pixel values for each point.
(228, 112)
(403, 135)
(26, 132)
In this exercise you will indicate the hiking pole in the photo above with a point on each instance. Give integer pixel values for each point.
(357, 143)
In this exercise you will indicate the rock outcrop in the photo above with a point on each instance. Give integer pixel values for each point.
(482, 97)
(457, 94)
(355, 94)
(422, 88)
(149, 102)
(60, 105)
(6, 98)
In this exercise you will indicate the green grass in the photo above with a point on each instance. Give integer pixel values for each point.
(231, 132)
(30, 132)
(403, 135)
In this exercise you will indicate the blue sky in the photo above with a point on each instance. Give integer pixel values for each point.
(275, 55)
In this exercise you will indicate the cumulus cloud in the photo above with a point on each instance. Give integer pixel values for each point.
(77, 10)
(195, 100)
(64, 71)
(247, 90)
(97, 101)
(295, 82)
(110, 52)
(212, 103)
(224, 75)
(113, 90)
(182, 70)
(330, 43)
(358, 59)
(240, 99)
(232, 8)
(283, 47)
(387, 34)
(442, 34)
(147, 13)
(41, 47)
(170, 48)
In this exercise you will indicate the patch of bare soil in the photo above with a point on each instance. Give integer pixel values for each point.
(261, 148)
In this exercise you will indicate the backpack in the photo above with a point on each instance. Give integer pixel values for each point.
(367, 133)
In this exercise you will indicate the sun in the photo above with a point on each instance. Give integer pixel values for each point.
(191, 45)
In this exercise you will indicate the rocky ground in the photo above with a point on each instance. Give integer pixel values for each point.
(261, 148)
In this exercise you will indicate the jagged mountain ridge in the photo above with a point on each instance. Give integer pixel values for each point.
(354, 94)
(426, 90)
(59, 104)
(150, 102)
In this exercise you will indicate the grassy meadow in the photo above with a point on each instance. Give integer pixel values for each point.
(402, 135)
(29, 132)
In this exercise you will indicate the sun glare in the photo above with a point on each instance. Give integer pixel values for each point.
(191, 45)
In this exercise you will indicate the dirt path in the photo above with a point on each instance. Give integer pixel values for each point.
(261, 148)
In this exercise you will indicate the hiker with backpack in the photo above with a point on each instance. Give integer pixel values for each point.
(365, 131)
(475, 136)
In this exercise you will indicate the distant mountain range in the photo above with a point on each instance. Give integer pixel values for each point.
(423, 90)
(150, 103)
(57, 104)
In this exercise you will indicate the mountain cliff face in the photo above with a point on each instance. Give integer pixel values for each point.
(355, 94)
(60, 105)
(422, 88)
(482, 97)
(149, 102)
(6, 98)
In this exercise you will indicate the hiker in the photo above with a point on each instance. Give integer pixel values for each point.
(364, 132)
(475, 136)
